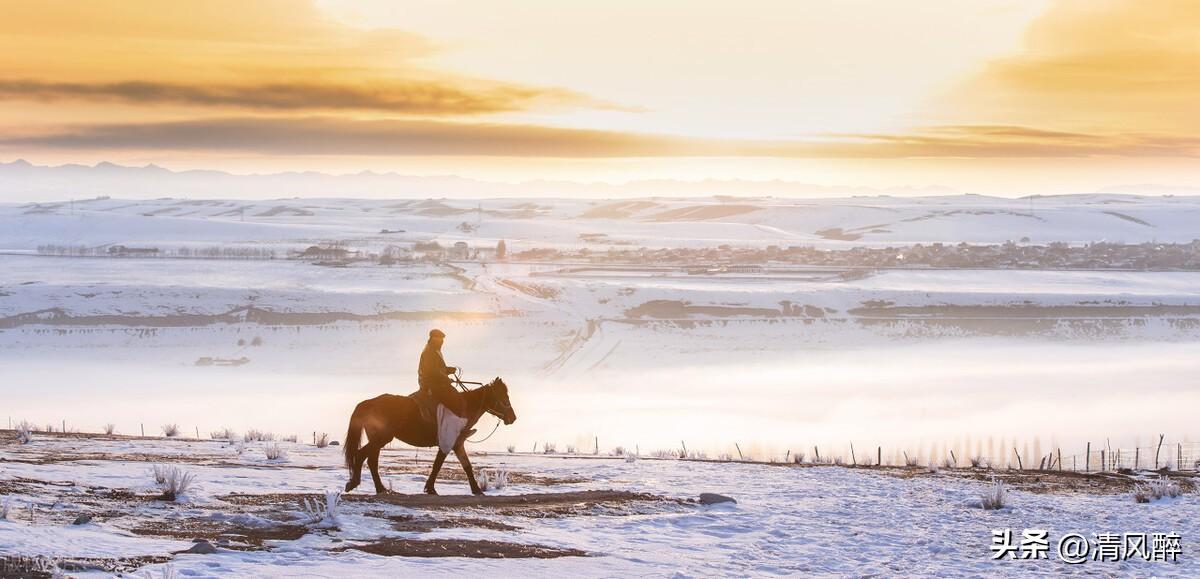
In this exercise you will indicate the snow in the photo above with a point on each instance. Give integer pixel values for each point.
(810, 521)
(721, 360)
(657, 222)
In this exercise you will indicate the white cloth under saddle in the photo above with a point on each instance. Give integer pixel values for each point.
(450, 425)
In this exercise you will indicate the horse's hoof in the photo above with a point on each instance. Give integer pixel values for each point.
(351, 486)
(477, 493)
(430, 491)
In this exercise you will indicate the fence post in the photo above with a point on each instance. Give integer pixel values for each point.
(1102, 465)
(1156, 451)
(1087, 459)
(1060, 459)
(1179, 461)
(852, 459)
(879, 456)
(1137, 452)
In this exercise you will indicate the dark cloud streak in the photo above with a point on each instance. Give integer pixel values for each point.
(378, 138)
(403, 97)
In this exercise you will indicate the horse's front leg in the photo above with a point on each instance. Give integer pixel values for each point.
(461, 452)
(437, 466)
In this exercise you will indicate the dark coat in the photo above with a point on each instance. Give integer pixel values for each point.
(433, 377)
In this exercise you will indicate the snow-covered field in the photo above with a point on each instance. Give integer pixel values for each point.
(651, 222)
(762, 362)
(788, 520)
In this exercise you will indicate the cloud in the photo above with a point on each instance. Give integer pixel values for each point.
(387, 96)
(1097, 65)
(263, 56)
(343, 137)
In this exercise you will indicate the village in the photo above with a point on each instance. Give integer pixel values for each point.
(726, 258)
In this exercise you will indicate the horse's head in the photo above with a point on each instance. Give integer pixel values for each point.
(497, 403)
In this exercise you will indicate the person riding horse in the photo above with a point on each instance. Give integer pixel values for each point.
(433, 375)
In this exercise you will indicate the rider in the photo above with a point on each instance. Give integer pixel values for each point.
(433, 374)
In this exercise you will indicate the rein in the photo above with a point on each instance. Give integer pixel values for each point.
(462, 386)
(494, 429)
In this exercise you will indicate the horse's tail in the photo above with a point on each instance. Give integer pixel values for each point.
(354, 436)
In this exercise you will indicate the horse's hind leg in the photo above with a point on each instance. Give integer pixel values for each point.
(356, 474)
(372, 452)
(437, 466)
(461, 453)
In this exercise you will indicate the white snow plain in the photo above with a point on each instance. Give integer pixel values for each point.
(793, 521)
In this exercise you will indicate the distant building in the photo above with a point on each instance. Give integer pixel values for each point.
(325, 253)
(123, 250)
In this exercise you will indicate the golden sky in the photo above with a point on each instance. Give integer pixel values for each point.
(992, 96)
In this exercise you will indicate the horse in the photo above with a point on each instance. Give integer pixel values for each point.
(389, 416)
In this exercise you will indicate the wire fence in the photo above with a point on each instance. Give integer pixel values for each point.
(1178, 456)
(1172, 456)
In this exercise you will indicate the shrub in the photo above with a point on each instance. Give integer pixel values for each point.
(618, 451)
(160, 474)
(323, 440)
(512, 448)
(549, 448)
(947, 463)
(630, 457)
(1153, 490)
(110, 428)
(274, 452)
(292, 438)
(978, 462)
(798, 458)
(492, 479)
(173, 481)
(24, 432)
(223, 434)
(994, 497)
(322, 515)
(170, 430)
(910, 460)
(5, 507)
(570, 449)
(724, 457)
(254, 435)
(661, 453)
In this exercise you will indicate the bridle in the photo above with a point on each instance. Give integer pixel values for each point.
(487, 404)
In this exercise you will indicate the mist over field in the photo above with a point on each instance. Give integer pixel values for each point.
(767, 323)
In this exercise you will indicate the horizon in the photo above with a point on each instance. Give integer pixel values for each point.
(534, 188)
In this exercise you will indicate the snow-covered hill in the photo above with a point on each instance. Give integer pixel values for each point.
(651, 222)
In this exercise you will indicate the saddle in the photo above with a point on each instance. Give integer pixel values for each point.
(426, 406)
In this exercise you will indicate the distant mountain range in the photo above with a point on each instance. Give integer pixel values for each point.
(23, 181)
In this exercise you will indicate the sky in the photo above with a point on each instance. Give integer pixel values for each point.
(1004, 97)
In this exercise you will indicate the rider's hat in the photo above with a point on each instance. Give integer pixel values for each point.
(436, 333)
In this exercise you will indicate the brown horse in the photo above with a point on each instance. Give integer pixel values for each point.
(388, 416)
